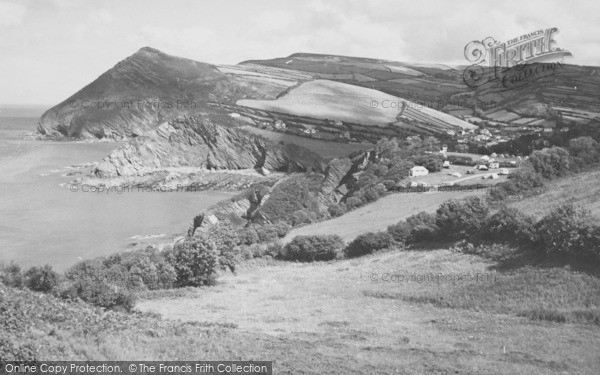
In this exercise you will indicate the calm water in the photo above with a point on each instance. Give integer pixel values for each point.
(42, 222)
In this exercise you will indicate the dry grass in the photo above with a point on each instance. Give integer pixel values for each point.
(327, 312)
(379, 215)
(323, 319)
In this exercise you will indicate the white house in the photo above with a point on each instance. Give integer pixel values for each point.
(504, 171)
(418, 171)
(446, 164)
(494, 165)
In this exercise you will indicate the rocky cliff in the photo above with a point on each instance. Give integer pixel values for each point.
(197, 142)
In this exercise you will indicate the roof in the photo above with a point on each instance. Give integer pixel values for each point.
(418, 168)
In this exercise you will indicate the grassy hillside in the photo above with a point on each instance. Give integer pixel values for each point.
(565, 91)
(349, 317)
(378, 215)
(582, 189)
(349, 103)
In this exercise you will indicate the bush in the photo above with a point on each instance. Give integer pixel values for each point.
(494, 251)
(313, 248)
(508, 225)
(271, 232)
(461, 219)
(99, 293)
(569, 232)
(550, 162)
(353, 202)
(336, 209)
(12, 276)
(41, 279)
(423, 227)
(368, 243)
(524, 181)
(400, 232)
(15, 352)
(195, 261)
(154, 271)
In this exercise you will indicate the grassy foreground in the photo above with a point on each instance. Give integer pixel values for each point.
(358, 316)
(349, 316)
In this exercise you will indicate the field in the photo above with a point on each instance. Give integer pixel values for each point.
(354, 317)
(324, 148)
(339, 101)
(465, 179)
(582, 189)
(331, 100)
(378, 215)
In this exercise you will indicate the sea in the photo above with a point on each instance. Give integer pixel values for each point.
(43, 222)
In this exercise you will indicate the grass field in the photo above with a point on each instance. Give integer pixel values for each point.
(353, 316)
(378, 215)
(339, 101)
(582, 189)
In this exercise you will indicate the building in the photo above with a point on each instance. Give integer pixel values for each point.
(418, 171)
(494, 165)
(446, 164)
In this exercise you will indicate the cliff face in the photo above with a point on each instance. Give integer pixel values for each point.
(197, 142)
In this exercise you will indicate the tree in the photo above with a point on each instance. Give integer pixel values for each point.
(460, 219)
(550, 162)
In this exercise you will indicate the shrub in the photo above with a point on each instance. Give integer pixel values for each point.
(271, 232)
(400, 232)
(371, 194)
(195, 262)
(508, 225)
(313, 248)
(336, 209)
(495, 251)
(568, 231)
(423, 227)
(461, 219)
(153, 270)
(550, 162)
(248, 236)
(11, 275)
(303, 216)
(368, 243)
(353, 202)
(41, 279)
(14, 352)
(100, 293)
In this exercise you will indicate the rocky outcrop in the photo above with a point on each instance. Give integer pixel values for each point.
(197, 142)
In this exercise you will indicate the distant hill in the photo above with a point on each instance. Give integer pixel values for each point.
(518, 96)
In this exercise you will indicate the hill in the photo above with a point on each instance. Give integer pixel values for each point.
(581, 189)
(143, 91)
(517, 97)
(353, 104)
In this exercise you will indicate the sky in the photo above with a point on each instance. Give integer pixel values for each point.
(49, 49)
